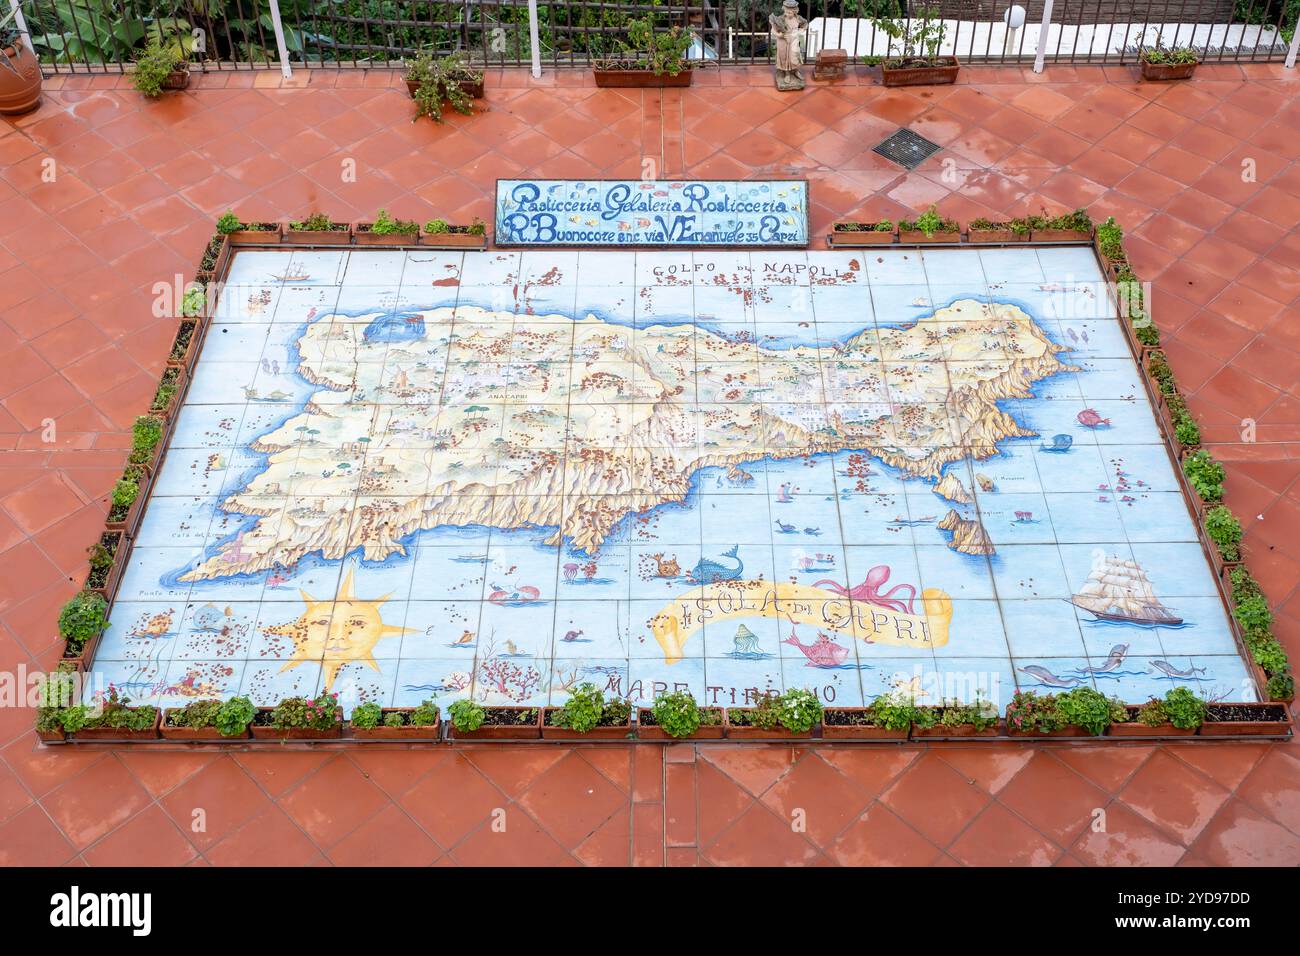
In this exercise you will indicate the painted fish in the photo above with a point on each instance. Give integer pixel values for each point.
(1047, 677)
(1169, 670)
(1089, 418)
(822, 652)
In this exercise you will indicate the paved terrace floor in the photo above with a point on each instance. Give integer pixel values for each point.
(138, 187)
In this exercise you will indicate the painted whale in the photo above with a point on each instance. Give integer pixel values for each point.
(709, 572)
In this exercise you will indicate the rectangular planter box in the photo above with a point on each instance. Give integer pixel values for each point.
(965, 730)
(915, 236)
(746, 732)
(1059, 235)
(191, 351)
(452, 240)
(1235, 728)
(109, 587)
(1167, 71)
(87, 654)
(1063, 732)
(944, 73)
(193, 733)
(256, 237)
(620, 732)
(405, 732)
(52, 736)
(1134, 729)
(87, 734)
(624, 79)
(296, 733)
(982, 236)
(364, 237)
(646, 731)
(862, 237)
(315, 237)
(528, 731)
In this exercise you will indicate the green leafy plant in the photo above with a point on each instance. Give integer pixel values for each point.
(155, 65)
(55, 694)
(234, 716)
(316, 222)
(74, 718)
(192, 303)
(979, 714)
(477, 228)
(1152, 713)
(1170, 56)
(386, 225)
(100, 557)
(1225, 531)
(466, 715)
(1031, 713)
(587, 709)
(647, 48)
(437, 80)
(194, 715)
(318, 713)
(1205, 476)
(1186, 431)
(1076, 221)
(1087, 708)
(367, 715)
(798, 710)
(228, 222)
(146, 435)
(116, 712)
(677, 713)
(1281, 687)
(895, 710)
(763, 714)
(929, 223)
(1110, 240)
(84, 616)
(1185, 710)
(424, 715)
(921, 35)
(436, 227)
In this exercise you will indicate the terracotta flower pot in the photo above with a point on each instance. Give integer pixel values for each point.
(531, 730)
(267, 732)
(20, 80)
(944, 72)
(984, 236)
(1069, 731)
(193, 733)
(1167, 71)
(52, 736)
(916, 236)
(962, 730)
(256, 237)
(1059, 235)
(747, 732)
(853, 731)
(364, 237)
(118, 546)
(617, 732)
(178, 79)
(182, 356)
(405, 732)
(339, 235)
(88, 734)
(471, 88)
(452, 240)
(861, 237)
(624, 79)
(650, 731)
(1278, 723)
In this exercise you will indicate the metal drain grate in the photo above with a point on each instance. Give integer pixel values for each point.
(906, 148)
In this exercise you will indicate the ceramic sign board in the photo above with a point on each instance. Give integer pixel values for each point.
(637, 213)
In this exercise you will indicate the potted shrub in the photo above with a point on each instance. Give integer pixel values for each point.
(81, 621)
(1280, 686)
(209, 720)
(387, 231)
(987, 231)
(1232, 720)
(648, 57)
(146, 442)
(929, 227)
(1225, 531)
(432, 81)
(1174, 63)
(300, 718)
(976, 719)
(248, 233)
(1154, 719)
(161, 67)
(1070, 227)
(880, 233)
(1090, 710)
(439, 234)
(1108, 238)
(125, 502)
(919, 64)
(677, 716)
(55, 695)
(794, 714)
(107, 561)
(20, 73)
(1205, 475)
(117, 720)
(318, 229)
(473, 721)
(889, 717)
(586, 714)
(369, 721)
(1032, 715)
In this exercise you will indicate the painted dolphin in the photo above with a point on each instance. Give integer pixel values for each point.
(1116, 657)
(1170, 670)
(1050, 679)
(1060, 443)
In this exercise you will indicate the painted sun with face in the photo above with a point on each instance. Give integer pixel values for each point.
(337, 632)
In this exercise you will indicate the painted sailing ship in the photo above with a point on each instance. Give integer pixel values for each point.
(1119, 590)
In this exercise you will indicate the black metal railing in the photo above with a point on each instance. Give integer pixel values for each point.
(105, 35)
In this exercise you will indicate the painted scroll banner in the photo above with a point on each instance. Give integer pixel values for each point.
(633, 213)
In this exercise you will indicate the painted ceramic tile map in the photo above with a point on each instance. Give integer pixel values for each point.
(411, 474)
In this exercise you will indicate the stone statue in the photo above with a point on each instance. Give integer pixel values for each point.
(789, 30)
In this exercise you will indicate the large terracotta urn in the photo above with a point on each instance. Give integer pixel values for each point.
(20, 80)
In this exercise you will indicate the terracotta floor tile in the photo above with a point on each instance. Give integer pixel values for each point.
(1053, 798)
(454, 800)
(611, 844)
(389, 838)
(935, 799)
(521, 843)
(30, 839)
(571, 800)
(881, 838)
(1273, 788)
(818, 798)
(1128, 840)
(1173, 797)
(333, 802)
(268, 839)
(754, 768)
(1240, 836)
(760, 838)
(215, 801)
(95, 801)
(149, 838)
(999, 838)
